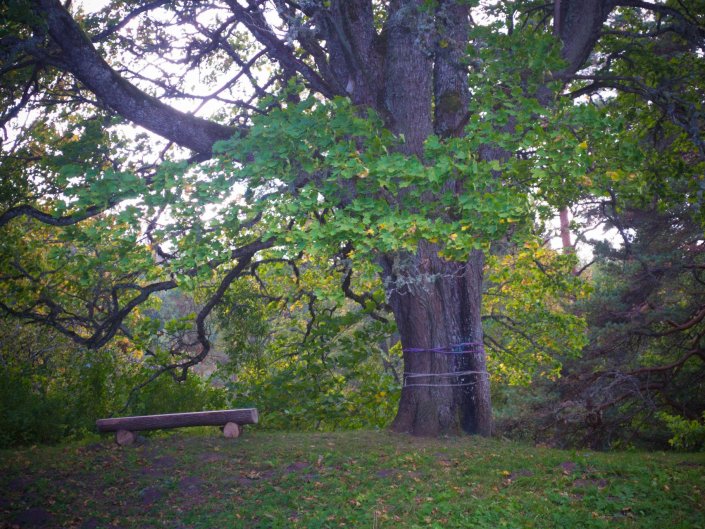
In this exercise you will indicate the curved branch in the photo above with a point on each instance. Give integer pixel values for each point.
(82, 59)
(104, 332)
(256, 24)
(360, 299)
(659, 8)
(132, 14)
(201, 332)
(679, 327)
(46, 218)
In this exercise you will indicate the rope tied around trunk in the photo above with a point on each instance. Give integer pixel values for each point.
(465, 348)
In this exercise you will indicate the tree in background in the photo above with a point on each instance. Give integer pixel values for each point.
(642, 372)
(645, 363)
(411, 138)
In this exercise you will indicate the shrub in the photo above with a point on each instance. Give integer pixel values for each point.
(687, 434)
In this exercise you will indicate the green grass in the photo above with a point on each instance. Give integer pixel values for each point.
(348, 479)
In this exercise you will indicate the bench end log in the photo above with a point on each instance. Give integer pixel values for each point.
(125, 437)
(231, 430)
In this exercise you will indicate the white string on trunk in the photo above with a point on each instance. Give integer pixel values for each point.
(466, 348)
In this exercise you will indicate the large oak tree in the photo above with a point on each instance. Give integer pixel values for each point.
(410, 136)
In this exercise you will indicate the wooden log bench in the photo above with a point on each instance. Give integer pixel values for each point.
(125, 427)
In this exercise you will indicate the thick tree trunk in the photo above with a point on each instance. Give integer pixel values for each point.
(437, 305)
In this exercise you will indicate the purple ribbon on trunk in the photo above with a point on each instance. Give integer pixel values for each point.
(459, 348)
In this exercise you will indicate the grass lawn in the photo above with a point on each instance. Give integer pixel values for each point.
(347, 479)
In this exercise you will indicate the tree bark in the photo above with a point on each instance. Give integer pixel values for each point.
(577, 23)
(565, 230)
(437, 305)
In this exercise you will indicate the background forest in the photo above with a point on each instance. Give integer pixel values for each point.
(139, 275)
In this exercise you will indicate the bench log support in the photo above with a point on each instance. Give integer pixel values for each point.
(231, 430)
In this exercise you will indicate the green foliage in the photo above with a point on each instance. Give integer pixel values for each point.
(166, 395)
(344, 158)
(357, 187)
(306, 357)
(687, 434)
(644, 183)
(51, 390)
(644, 333)
(530, 327)
(331, 182)
(347, 390)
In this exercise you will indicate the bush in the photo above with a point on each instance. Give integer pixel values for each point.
(51, 391)
(687, 435)
(166, 395)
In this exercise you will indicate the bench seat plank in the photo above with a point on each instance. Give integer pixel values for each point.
(178, 420)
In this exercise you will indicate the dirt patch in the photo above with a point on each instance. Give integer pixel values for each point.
(599, 483)
(158, 466)
(212, 457)
(93, 447)
(163, 462)
(190, 484)
(192, 491)
(151, 495)
(153, 472)
(297, 466)
(20, 483)
(690, 464)
(34, 517)
(245, 482)
(568, 467)
(91, 523)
